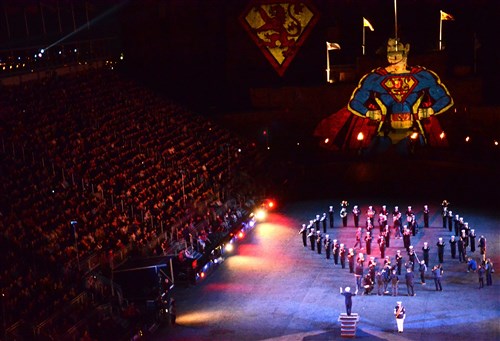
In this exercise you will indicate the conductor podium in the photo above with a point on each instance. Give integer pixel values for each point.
(348, 324)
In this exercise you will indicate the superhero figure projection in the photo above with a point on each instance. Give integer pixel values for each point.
(391, 105)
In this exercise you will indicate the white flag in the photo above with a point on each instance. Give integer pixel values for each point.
(332, 46)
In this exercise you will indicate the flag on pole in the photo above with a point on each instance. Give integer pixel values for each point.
(366, 23)
(446, 16)
(332, 46)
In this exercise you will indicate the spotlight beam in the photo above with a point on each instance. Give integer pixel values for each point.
(88, 24)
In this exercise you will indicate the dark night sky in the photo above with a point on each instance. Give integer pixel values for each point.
(201, 42)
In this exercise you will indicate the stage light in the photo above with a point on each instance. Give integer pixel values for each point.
(260, 214)
(414, 135)
(229, 247)
(270, 204)
(495, 143)
(40, 55)
(241, 234)
(202, 275)
(442, 135)
(360, 136)
(467, 139)
(327, 140)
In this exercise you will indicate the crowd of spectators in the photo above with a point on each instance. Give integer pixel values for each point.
(124, 164)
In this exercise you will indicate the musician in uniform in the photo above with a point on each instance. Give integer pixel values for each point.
(368, 242)
(425, 250)
(453, 247)
(381, 245)
(444, 214)
(412, 257)
(397, 223)
(330, 215)
(472, 237)
(399, 262)
(406, 238)
(387, 236)
(426, 216)
(422, 269)
(400, 314)
(355, 214)
(351, 260)
(336, 251)
(444, 211)
(440, 246)
(342, 253)
(319, 239)
(328, 246)
(457, 225)
(467, 233)
(370, 213)
(358, 238)
(461, 250)
(317, 221)
(323, 222)
(303, 232)
(382, 219)
(343, 215)
(312, 238)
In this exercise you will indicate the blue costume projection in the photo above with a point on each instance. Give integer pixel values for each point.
(397, 104)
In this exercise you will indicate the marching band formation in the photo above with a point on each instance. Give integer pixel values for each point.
(381, 273)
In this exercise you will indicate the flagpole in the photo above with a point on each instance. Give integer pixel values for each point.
(440, 30)
(364, 36)
(396, 20)
(327, 64)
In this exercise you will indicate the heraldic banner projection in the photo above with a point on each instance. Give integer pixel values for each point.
(395, 104)
(279, 28)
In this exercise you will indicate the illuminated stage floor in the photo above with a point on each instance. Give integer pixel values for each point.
(274, 288)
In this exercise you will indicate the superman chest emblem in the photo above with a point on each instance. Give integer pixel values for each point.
(399, 87)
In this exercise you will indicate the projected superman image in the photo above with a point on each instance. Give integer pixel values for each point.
(396, 103)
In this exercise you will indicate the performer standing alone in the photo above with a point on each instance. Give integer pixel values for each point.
(400, 314)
